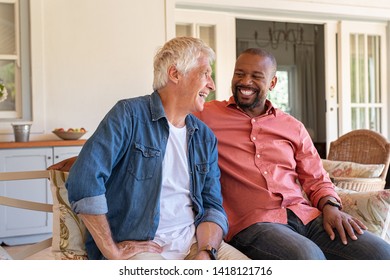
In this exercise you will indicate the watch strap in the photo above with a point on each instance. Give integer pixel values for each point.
(332, 203)
(210, 250)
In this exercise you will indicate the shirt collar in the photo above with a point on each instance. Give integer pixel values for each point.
(271, 110)
(156, 107)
(158, 112)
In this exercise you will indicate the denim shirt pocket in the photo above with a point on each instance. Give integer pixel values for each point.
(143, 161)
(202, 169)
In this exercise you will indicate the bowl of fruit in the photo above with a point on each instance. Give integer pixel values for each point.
(70, 133)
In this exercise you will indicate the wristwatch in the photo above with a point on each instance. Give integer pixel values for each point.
(332, 203)
(210, 250)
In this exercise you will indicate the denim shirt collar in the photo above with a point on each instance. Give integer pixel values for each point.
(156, 108)
(157, 112)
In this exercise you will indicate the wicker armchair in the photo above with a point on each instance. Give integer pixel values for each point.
(365, 147)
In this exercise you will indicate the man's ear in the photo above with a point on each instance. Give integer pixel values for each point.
(173, 74)
(273, 83)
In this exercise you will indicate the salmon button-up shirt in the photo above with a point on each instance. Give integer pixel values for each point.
(268, 164)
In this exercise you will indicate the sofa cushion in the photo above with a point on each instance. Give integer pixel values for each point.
(68, 230)
(372, 208)
(352, 169)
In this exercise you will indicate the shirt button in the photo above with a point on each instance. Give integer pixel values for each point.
(253, 120)
(258, 156)
(265, 172)
(253, 138)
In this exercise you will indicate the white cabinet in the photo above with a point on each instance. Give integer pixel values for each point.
(18, 226)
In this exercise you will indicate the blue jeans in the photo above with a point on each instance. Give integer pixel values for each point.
(296, 241)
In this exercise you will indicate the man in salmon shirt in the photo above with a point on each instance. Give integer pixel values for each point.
(266, 159)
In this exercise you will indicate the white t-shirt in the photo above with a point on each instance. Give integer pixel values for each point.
(176, 229)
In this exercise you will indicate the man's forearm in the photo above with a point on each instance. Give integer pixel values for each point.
(100, 230)
(208, 233)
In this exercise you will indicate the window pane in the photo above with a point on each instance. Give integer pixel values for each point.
(373, 43)
(183, 30)
(353, 118)
(279, 96)
(357, 61)
(361, 69)
(207, 34)
(7, 29)
(7, 78)
(358, 118)
(353, 66)
(375, 119)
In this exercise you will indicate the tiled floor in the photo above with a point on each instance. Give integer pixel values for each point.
(42, 255)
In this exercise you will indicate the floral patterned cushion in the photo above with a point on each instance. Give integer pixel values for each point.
(68, 230)
(372, 208)
(352, 169)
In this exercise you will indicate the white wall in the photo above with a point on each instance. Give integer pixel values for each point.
(86, 55)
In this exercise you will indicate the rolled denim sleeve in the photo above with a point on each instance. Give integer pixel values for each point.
(96, 205)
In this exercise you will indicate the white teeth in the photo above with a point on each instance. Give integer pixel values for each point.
(202, 94)
(246, 92)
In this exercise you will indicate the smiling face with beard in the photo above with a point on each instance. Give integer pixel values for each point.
(254, 76)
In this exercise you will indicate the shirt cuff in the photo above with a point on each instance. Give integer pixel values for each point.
(95, 205)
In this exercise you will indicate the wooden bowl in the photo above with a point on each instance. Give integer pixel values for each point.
(68, 135)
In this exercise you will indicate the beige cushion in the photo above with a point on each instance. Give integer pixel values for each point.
(68, 229)
(372, 208)
(352, 169)
(4, 254)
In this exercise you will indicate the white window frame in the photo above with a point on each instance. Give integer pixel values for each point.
(370, 28)
(23, 108)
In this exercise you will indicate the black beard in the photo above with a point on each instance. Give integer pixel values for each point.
(246, 106)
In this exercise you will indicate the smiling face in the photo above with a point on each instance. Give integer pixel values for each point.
(253, 76)
(197, 84)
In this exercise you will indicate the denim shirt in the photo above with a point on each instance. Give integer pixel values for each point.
(119, 171)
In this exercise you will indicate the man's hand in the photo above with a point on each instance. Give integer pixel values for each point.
(342, 222)
(100, 230)
(128, 249)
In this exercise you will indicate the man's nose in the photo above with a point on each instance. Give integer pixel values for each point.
(247, 79)
(211, 84)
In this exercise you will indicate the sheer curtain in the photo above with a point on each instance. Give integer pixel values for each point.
(306, 85)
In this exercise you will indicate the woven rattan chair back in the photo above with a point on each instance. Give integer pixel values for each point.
(362, 146)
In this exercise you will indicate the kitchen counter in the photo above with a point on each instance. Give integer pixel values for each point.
(37, 144)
